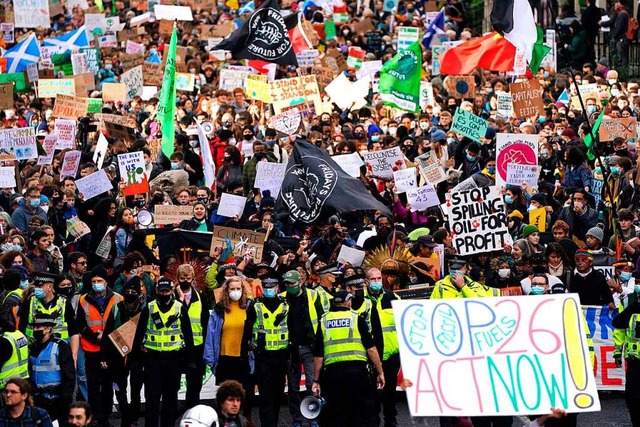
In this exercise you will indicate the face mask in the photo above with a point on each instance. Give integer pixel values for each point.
(412, 125)
(193, 143)
(626, 276)
(393, 131)
(508, 199)
(270, 143)
(612, 81)
(140, 203)
(66, 292)
(591, 109)
(226, 159)
(98, 288)
(452, 273)
(542, 120)
(38, 336)
(489, 90)
(615, 170)
(537, 290)
(293, 290)
(247, 137)
(544, 153)
(131, 298)
(184, 285)
(491, 170)
(175, 166)
(45, 208)
(235, 295)
(375, 138)
(424, 125)
(108, 66)
(269, 292)
(153, 51)
(559, 132)
(546, 75)
(384, 129)
(504, 272)
(164, 299)
(451, 140)
(359, 294)
(24, 284)
(39, 293)
(615, 92)
(636, 289)
(34, 203)
(375, 286)
(470, 158)
(358, 135)
(204, 200)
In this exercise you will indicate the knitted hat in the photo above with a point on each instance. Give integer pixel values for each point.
(267, 200)
(541, 198)
(529, 230)
(99, 271)
(596, 232)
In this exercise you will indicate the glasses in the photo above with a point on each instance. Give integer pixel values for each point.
(7, 391)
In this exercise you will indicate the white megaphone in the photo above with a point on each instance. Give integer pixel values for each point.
(311, 406)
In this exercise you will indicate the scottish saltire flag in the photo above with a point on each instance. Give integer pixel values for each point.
(564, 97)
(70, 41)
(24, 53)
(436, 26)
(247, 8)
(154, 58)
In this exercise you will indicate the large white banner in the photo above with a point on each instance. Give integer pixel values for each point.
(31, 13)
(599, 319)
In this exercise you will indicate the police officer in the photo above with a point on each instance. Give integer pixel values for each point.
(328, 276)
(343, 347)
(198, 309)
(359, 303)
(165, 338)
(266, 325)
(626, 338)
(459, 285)
(51, 368)
(14, 350)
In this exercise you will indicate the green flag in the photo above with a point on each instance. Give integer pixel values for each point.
(400, 79)
(167, 104)
(588, 141)
(540, 50)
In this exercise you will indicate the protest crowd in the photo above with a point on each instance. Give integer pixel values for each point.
(217, 202)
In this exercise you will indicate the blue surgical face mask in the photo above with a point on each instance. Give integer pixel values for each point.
(471, 158)
(108, 66)
(39, 293)
(546, 75)
(625, 276)
(591, 109)
(269, 292)
(375, 138)
(636, 289)
(542, 120)
(98, 287)
(544, 153)
(34, 203)
(175, 166)
(615, 170)
(452, 273)
(24, 284)
(451, 140)
(491, 170)
(537, 290)
(508, 199)
(375, 286)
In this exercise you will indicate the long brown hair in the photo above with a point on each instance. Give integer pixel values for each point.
(225, 301)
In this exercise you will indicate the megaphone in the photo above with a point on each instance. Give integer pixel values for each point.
(144, 218)
(310, 407)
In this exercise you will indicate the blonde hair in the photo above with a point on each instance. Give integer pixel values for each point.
(185, 269)
(225, 301)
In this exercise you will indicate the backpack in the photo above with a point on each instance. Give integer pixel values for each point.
(632, 29)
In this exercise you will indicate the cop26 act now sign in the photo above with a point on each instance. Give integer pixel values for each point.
(495, 356)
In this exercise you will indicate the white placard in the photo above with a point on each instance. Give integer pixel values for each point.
(355, 257)
(70, 164)
(31, 13)
(94, 184)
(514, 148)
(518, 174)
(172, 13)
(231, 205)
(65, 130)
(49, 147)
(269, 176)
(504, 104)
(7, 177)
(405, 179)
(101, 150)
(350, 163)
(422, 198)
(383, 163)
(134, 81)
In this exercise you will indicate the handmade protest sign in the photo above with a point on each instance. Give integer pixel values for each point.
(152, 74)
(422, 198)
(347, 94)
(519, 174)
(7, 30)
(430, 168)
(114, 92)
(7, 177)
(495, 356)
(588, 91)
(295, 91)
(65, 130)
(287, 122)
(405, 179)
(18, 144)
(100, 151)
(77, 228)
(133, 174)
(477, 220)
(504, 104)
(185, 81)
(461, 87)
(70, 164)
(350, 163)
(242, 241)
(383, 163)
(426, 94)
(527, 98)
(171, 214)
(31, 13)
(133, 80)
(353, 256)
(406, 36)
(231, 205)
(122, 338)
(93, 185)
(307, 57)
(51, 88)
(518, 148)
(6, 96)
(469, 125)
(269, 176)
(624, 127)
(48, 145)
(538, 217)
(70, 107)
(355, 57)
(257, 88)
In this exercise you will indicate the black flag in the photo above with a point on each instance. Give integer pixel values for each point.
(264, 36)
(314, 181)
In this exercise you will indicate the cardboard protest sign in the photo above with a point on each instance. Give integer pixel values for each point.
(122, 338)
(217, 30)
(185, 81)
(132, 172)
(324, 76)
(6, 96)
(515, 356)
(384, 162)
(405, 179)
(469, 125)
(518, 148)
(231, 205)
(171, 214)
(70, 107)
(7, 176)
(257, 88)
(70, 164)
(519, 174)
(31, 13)
(460, 87)
(622, 127)
(350, 163)
(48, 145)
(527, 98)
(422, 198)
(243, 241)
(65, 130)
(51, 88)
(588, 91)
(152, 74)
(132, 60)
(355, 257)
(127, 120)
(119, 131)
(269, 176)
(477, 220)
(288, 122)
(538, 217)
(18, 144)
(114, 92)
(334, 60)
(93, 185)
(504, 104)
(133, 82)
(430, 168)
(295, 91)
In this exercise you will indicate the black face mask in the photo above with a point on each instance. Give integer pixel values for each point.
(66, 292)
(260, 156)
(247, 137)
(38, 336)
(184, 285)
(358, 295)
(358, 135)
(164, 299)
(131, 298)
(204, 200)
(226, 159)
(140, 203)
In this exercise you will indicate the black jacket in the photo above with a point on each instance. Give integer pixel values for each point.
(592, 289)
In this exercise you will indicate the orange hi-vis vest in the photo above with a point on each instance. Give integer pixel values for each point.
(95, 320)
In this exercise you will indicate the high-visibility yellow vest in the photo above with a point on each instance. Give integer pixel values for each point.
(18, 363)
(57, 312)
(312, 297)
(388, 326)
(631, 342)
(365, 309)
(342, 339)
(276, 337)
(166, 333)
(325, 298)
(195, 317)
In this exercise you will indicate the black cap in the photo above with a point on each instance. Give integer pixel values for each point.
(457, 263)
(40, 279)
(427, 241)
(133, 284)
(341, 296)
(329, 268)
(356, 280)
(164, 284)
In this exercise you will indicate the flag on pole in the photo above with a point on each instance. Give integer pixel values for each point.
(435, 27)
(400, 79)
(490, 52)
(564, 97)
(207, 157)
(588, 141)
(167, 104)
(24, 53)
(70, 41)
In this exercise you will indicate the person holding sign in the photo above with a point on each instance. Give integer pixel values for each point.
(199, 221)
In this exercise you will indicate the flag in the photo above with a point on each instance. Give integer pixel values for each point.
(514, 20)
(490, 52)
(264, 36)
(24, 53)
(70, 41)
(167, 105)
(564, 97)
(588, 141)
(207, 158)
(154, 58)
(314, 184)
(298, 37)
(400, 79)
(435, 27)
(247, 8)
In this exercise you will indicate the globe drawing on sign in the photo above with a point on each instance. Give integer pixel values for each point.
(462, 87)
(519, 153)
(391, 4)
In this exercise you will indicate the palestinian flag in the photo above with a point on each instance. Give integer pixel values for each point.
(514, 20)
(490, 52)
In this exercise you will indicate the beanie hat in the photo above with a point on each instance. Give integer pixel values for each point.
(267, 201)
(540, 198)
(529, 230)
(596, 232)
(99, 271)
